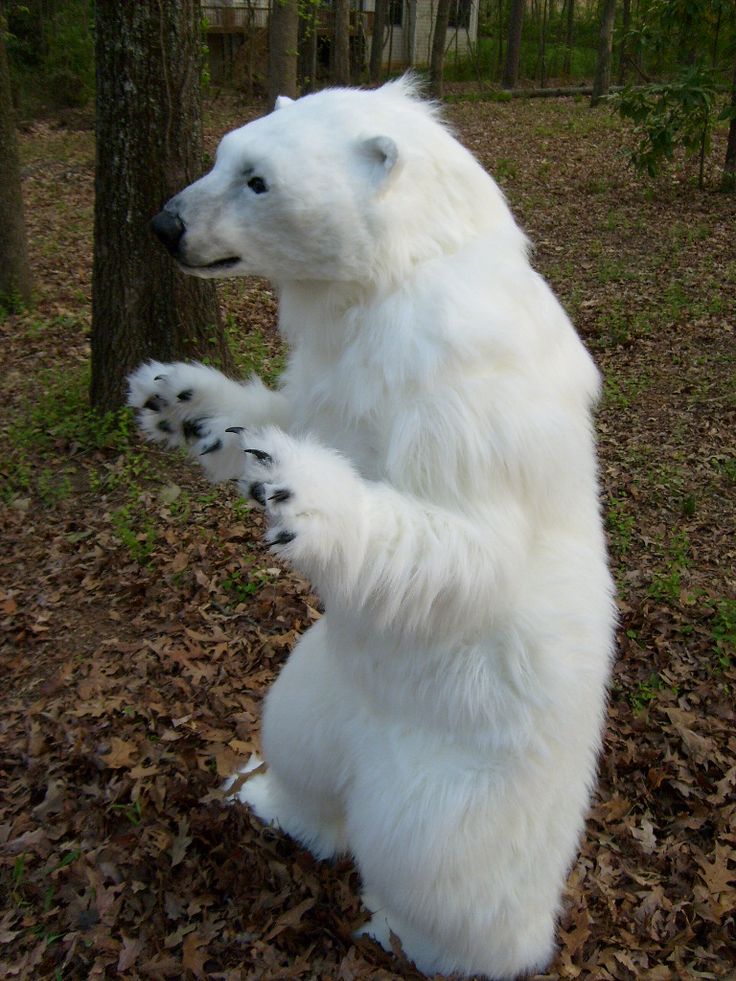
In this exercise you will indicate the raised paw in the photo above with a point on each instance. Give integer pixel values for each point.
(183, 405)
(312, 496)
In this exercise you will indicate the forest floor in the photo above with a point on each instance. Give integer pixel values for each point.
(142, 621)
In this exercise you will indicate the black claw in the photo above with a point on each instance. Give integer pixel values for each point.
(258, 493)
(185, 395)
(235, 429)
(261, 456)
(283, 538)
(165, 426)
(280, 495)
(192, 428)
(217, 445)
(159, 378)
(154, 403)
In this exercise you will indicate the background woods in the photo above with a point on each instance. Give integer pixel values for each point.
(141, 621)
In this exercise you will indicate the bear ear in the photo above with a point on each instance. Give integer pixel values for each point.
(282, 100)
(382, 154)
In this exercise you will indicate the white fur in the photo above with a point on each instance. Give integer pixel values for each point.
(431, 467)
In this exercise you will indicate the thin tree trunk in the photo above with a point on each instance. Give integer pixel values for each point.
(341, 43)
(622, 53)
(380, 17)
(570, 26)
(149, 145)
(513, 48)
(308, 49)
(439, 43)
(15, 272)
(728, 181)
(500, 38)
(543, 47)
(283, 44)
(602, 80)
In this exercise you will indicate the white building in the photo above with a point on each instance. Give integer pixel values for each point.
(233, 24)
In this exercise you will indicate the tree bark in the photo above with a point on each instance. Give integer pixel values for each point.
(308, 49)
(728, 181)
(283, 44)
(341, 43)
(15, 272)
(149, 146)
(602, 80)
(622, 53)
(569, 31)
(513, 48)
(439, 43)
(380, 18)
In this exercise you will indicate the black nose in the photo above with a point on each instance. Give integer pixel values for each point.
(169, 228)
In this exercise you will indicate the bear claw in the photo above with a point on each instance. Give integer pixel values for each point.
(283, 538)
(258, 492)
(192, 428)
(217, 445)
(261, 456)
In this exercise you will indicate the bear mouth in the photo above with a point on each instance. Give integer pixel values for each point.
(227, 263)
(216, 266)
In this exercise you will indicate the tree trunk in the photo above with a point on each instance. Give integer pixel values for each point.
(341, 43)
(622, 52)
(15, 273)
(439, 43)
(543, 45)
(569, 31)
(602, 80)
(728, 181)
(149, 146)
(380, 17)
(308, 49)
(513, 48)
(283, 44)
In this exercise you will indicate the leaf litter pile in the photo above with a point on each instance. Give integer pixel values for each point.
(142, 621)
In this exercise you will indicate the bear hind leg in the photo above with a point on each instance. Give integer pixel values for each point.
(317, 826)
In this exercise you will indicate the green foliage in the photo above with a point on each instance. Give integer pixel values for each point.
(668, 116)
(666, 584)
(724, 631)
(240, 585)
(253, 353)
(645, 692)
(54, 426)
(136, 532)
(51, 50)
(620, 524)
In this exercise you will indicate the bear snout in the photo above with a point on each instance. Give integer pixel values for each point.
(168, 227)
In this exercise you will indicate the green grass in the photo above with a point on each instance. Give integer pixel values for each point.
(723, 631)
(239, 584)
(59, 426)
(646, 692)
(135, 530)
(620, 524)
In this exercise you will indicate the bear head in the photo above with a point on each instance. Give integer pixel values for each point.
(343, 185)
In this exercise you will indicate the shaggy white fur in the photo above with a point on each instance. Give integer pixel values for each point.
(429, 462)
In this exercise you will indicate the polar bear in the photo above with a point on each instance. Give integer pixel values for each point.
(428, 461)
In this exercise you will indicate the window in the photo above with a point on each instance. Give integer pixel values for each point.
(460, 14)
(396, 13)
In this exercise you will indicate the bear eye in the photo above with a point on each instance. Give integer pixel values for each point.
(257, 185)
